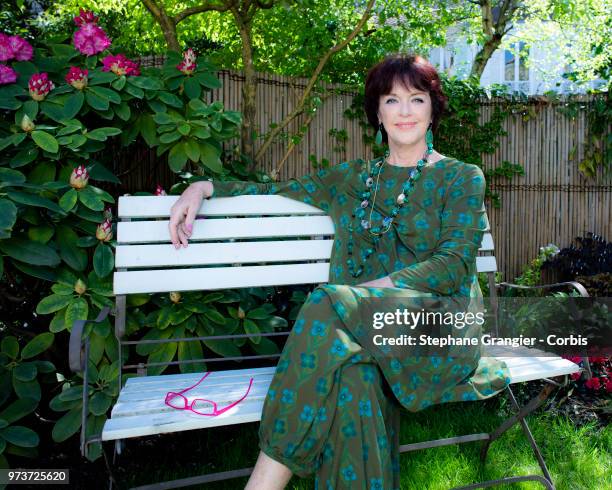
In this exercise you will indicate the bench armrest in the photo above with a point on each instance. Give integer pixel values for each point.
(574, 284)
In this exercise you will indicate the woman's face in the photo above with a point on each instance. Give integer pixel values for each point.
(405, 114)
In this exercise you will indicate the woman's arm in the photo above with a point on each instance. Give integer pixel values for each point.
(463, 224)
(318, 189)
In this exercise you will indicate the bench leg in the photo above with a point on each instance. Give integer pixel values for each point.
(522, 412)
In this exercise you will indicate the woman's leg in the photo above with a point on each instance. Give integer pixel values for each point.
(268, 474)
(325, 411)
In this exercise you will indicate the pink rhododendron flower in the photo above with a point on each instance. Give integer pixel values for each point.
(22, 50)
(77, 77)
(188, 65)
(91, 39)
(609, 385)
(120, 65)
(6, 50)
(104, 231)
(85, 17)
(40, 86)
(79, 177)
(159, 191)
(593, 383)
(576, 376)
(7, 75)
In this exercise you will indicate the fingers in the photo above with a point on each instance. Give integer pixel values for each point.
(182, 238)
(191, 216)
(173, 228)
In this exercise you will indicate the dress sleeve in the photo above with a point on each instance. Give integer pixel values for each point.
(318, 189)
(463, 224)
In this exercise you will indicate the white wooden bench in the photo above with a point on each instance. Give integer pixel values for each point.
(299, 240)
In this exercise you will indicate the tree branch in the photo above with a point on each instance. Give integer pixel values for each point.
(313, 79)
(204, 7)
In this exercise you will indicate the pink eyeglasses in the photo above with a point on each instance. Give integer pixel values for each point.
(199, 405)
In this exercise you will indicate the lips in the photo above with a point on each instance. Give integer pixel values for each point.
(405, 125)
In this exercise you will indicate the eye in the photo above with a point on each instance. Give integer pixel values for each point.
(420, 100)
(389, 100)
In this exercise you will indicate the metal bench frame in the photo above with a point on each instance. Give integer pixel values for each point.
(79, 347)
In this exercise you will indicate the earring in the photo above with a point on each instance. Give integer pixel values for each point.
(378, 138)
(429, 138)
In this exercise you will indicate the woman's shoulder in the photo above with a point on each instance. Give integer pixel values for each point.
(454, 168)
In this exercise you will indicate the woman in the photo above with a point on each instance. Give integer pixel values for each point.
(408, 225)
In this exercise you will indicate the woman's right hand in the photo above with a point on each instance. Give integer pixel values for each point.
(183, 212)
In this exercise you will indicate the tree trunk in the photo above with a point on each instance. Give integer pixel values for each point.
(166, 23)
(249, 92)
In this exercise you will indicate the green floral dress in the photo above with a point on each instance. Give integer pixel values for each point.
(334, 402)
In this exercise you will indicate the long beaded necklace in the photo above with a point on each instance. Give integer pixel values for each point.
(366, 224)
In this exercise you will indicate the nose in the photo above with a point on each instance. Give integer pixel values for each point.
(405, 108)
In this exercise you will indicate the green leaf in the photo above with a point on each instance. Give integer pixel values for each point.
(123, 111)
(232, 116)
(265, 347)
(95, 101)
(78, 309)
(8, 214)
(8, 176)
(99, 172)
(258, 314)
(18, 409)
(99, 403)
(25, 371)
(73, 104)
(44, 273)
(193, 90)
(29, 252)
(188, 351)
(68, 200)
(177, 158)
(26, 389)
(10, 346)
(192, 148)
(38, 344)
(119, 83)
(184, 129)
(68, 425)
(103, 260)
(53, 303)
(20, 436)
(170, 99)
(91, 199)
(134, 91)
(70, 253)
(164, 353)
(169, 137)
(210, 156)
(41, 234)
(208, 80)
(101, 134)
(215, 316)
(146, 83)
(251, 327)
(52, 110)
(62, 289)
(34, 200)
(225, 348)
(25, 156)
(45, 140)
(106, 94)
(147, 129)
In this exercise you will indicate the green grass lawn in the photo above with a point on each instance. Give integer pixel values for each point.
(577, 458)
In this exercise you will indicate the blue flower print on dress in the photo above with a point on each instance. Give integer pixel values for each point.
(298, 326)
(307, 360)
(318, 329)
(376, 484)
(321, 415)
(367, 373)
(345, 396)
(288, 396)
(469, 396)
(421, 224)
(365, 408)
(279, 426)
(349, 430)
(349, 474)
(321, 386)
(338, 348)
(282, 366)
(307, 414)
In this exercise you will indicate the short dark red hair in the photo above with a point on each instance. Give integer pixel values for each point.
(413, 71)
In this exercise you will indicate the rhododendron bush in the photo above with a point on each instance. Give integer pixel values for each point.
(60, 107)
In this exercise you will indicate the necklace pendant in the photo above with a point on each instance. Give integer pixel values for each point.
(369, 182)
(401, 198)
(387, 221)
(364, 203)
(365, 224)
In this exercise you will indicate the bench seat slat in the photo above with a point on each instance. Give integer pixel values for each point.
(159, 281)
(222, 253)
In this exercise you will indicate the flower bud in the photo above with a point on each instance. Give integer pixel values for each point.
(175, 297)
(80, 287)
(79, 177)
(108, 213)
(188, 65)
(77, 77)
(241, 313)
(26, 124)
(104, 232)
(40, 86)
(159, 191)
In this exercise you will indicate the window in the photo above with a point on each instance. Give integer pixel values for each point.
(515, 63)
